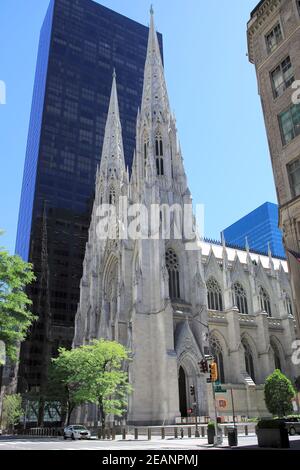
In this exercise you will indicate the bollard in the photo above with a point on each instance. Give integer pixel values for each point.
(108, 433)
(175, 433)
(181, 433)
(113, 434)
(189, 432)
(163, 434)
(124, 434)
(136, 434)
(202, 431)
(246, 431)
(149, 434)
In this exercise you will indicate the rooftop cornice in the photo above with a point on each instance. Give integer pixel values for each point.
(258, 20)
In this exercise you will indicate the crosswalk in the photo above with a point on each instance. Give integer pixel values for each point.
(25, 444)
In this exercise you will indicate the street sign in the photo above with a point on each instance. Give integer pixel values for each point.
(219, 389)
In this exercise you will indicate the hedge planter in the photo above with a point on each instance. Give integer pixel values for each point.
(272, 434)
(211, 435)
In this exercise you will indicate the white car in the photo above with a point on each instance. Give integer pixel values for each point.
(76, 431)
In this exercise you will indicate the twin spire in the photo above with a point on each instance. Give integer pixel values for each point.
(112, 159)
(155, 95)
(154, 101)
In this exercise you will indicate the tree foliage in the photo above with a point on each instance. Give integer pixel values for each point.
(279, 393)
(94, 373)
(15, 314)
(12, 410)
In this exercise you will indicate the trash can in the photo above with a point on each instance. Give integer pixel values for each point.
(232, 437)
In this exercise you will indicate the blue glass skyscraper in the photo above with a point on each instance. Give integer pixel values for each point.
(260, 227)
(81, 43)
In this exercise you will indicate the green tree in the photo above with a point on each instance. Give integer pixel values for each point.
(68, 394)
(15, 314)
(11, 411)
(95, 374)
(279, 393)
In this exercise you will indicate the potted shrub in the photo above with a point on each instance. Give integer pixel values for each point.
(272, 433)
(211, 432)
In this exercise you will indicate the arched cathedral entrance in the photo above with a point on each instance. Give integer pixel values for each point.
(182, 393)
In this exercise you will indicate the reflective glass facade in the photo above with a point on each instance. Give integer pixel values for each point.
(260, 227)
(81, 43)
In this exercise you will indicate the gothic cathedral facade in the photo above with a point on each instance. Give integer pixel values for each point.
(168, 303)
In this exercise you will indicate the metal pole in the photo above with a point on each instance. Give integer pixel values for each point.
(233, 411)
(216, 414)
(196, 408)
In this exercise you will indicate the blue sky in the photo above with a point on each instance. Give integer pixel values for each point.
(212, 89)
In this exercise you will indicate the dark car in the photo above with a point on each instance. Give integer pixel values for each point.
(293, 425)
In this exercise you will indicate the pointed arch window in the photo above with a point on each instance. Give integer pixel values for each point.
(265, 302)
(249, 362)
(217, 352)
(171, 153)
(173, 271)
(214, 295)
(145, 151)
(112, 196)
(276, 355)
(240, 298)
(159, 154)
(288, 305)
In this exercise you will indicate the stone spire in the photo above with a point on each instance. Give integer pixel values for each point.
(112, 165)
(271, 263)
(155, 95)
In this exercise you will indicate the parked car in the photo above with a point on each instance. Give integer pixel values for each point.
(293, 425)
(76, 431)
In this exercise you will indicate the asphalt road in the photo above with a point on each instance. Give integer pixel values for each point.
(16, 443)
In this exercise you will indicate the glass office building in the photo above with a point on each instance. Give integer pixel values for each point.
(261, 228)
(81, 42)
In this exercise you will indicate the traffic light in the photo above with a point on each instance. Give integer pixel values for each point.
(192, 390)
(213, 371)
(203, 366)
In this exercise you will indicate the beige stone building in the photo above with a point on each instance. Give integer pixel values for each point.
(274, 49)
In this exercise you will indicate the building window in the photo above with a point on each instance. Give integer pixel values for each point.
(298, 6)
(265, 303)
(173, 271)
(294, 177)
(282, 77)
(240, 298)
(216, 351)
(112, 196)
(249, 363)
(214, 295)
(273, 38)
(276, 355)
(145, 151)
(159, 155)
(290, 123)
(288, 305)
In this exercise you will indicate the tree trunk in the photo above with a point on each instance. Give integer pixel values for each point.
(41, 411)
(101, 415)
(70, 411)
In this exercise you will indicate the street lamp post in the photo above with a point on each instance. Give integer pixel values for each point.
(210, 356)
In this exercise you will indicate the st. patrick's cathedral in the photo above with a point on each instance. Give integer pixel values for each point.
(168, 303)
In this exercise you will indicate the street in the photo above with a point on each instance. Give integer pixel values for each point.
(15, 443)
